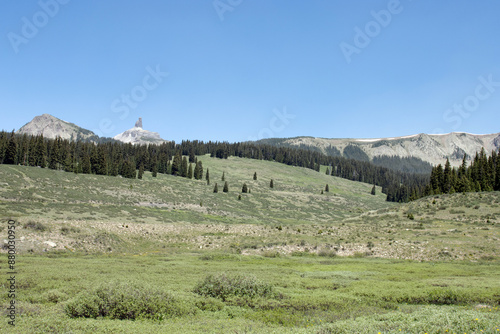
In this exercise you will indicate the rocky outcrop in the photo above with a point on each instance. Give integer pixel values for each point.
(137, 135)
(138, 124)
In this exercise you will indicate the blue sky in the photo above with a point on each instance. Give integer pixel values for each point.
(247, 69)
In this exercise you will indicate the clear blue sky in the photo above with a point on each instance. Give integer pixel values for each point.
(234, 65)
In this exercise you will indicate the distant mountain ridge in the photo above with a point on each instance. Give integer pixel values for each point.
(434, 149)
(416, 150)
(52, 127)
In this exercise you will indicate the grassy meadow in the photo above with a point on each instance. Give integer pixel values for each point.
(99, 254)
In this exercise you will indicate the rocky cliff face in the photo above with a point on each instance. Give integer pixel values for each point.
(52, 127)
(434, 149)
(137, 135)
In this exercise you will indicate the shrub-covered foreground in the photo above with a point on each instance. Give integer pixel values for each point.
(430, 319)
(126, 301)
(185, 293)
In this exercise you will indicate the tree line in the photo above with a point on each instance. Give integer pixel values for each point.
(483, 174)
(115, 158)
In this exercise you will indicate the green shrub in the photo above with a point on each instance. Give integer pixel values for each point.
(55, 296)
(222, 286)
(270, 253)
(125, 301)
(67, 230)
(37, 226)
(209, 304)
(327, 253)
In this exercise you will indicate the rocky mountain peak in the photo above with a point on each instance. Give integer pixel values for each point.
(137, 135)
(138, 124)
(53, 127)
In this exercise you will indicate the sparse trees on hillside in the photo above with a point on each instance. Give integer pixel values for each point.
(110, 158)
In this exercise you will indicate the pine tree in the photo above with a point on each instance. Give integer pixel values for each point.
(41, 152)
(176, 164)
(447, 177)
(141, 171)
(68, 163)
(54, 155)
(93, 159)
(11, 151)
(128, 169)
(223, 178)
(271, 184)
(31, 152)
(102, 161)
(327, 188)
(154, 167)
(168, 168)
(190, 171)
(184, 167)
(226, 187)
(207, 176)
(244, 189)
(437, 179)
(216, 189)
(86, 167)
(255, 176)
(327, 171)
(374, 190)
(196, 172)
(192, 157)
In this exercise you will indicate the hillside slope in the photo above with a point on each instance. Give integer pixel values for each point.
(100, 213)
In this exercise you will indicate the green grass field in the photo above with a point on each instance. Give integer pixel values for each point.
(102, 254)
